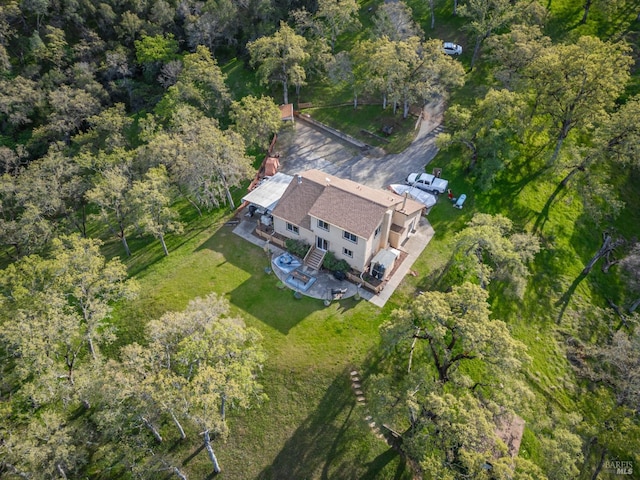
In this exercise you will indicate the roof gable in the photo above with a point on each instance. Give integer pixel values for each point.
(348, 212)
(348, 205)
(297, 200)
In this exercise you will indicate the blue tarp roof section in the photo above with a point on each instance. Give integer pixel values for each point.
(268, 193)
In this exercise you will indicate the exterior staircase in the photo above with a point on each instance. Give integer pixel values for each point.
(314, 257)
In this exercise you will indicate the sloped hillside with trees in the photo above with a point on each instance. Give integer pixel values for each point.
(136, 332)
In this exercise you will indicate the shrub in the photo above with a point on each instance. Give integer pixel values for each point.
(297, 247)
(332, 264)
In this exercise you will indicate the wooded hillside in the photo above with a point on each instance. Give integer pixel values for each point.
(135, 331)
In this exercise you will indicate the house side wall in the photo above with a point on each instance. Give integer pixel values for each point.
(383, 238)
(361, 250)
(405, 222)
(280, 226)
(373, 245)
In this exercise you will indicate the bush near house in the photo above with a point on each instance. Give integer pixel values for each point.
(332, 264)
(297, 247)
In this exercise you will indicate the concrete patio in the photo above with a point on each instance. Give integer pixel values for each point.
(325, 282)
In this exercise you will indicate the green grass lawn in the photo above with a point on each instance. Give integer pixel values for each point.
(370, 118)
(311, 426)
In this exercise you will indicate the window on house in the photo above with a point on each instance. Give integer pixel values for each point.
(350, 236)
(347, 253)
(323, 225)
(293, 228)
(377, 232)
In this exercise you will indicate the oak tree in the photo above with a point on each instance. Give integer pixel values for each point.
(575, 85)
(281, 58)
(336, 17)
(489, 250)
(209, 162)
(488, 131)
(200, 83)
(450, 374)
(199, 363)
(454, 328)
(514, 50)
(256, 119)
(212, 22)
(631, 273)
(485, 17)
(152, 199)
(394, 20)
(110, 193)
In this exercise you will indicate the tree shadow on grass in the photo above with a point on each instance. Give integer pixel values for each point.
(563, 302)
(256, 292)
(194, 454)
(279, 308)
(565, 18)
(334, 442)
(501, 197)
(543, 216)
(381, 461)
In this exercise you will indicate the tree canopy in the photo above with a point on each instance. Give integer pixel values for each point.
(462, 377)
(280, 58)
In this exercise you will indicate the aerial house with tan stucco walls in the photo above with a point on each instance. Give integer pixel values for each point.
(351, 220)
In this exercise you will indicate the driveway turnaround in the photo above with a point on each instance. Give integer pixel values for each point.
(308, 147)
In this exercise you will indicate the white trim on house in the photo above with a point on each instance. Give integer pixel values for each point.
(351, 237)
(361, 220)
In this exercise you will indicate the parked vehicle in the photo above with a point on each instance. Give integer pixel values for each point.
(427, 182)
(418, 195)
(451, 48)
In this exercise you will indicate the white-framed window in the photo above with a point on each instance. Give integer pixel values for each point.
(377, 232)
(293, 228)
(347, 253)
(350, 236)
(323, 225)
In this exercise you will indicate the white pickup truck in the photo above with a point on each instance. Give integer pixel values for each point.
(427, 182)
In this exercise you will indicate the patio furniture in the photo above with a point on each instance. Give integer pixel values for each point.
(338, 293)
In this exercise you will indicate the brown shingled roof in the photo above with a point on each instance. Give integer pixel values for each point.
(286, 111)
(349, 205)
(297, 200)
(381, 197)
(348, 211)
(271, 166)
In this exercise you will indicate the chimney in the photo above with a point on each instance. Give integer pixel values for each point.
(299, 178)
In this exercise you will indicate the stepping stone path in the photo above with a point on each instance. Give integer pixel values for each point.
(361, 400)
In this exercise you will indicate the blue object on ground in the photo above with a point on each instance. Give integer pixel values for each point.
(300, 282)
(460, 201)
(287, 262)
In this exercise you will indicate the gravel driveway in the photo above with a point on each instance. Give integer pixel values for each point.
(307, 147)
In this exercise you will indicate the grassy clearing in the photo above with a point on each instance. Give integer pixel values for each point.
(311, 426)
(240, 80)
